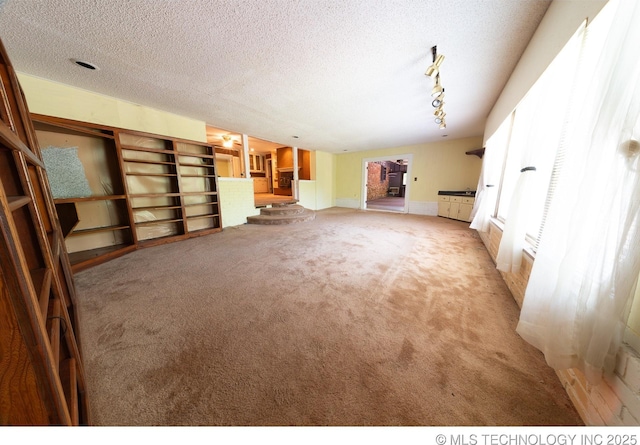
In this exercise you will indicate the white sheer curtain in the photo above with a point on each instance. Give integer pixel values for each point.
(487, 190)
(537, 127)
(578, 295)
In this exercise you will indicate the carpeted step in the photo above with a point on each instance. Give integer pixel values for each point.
(283, 210)
(305, 215)
(284, 203)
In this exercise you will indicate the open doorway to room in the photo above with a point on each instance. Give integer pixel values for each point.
(386, 184)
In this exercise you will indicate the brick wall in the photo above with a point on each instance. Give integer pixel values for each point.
(375, 187)
(613, 402)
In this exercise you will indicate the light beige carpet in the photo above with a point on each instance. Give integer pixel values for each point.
(355, 318)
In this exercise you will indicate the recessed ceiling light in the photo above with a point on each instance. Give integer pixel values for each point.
(87, 65)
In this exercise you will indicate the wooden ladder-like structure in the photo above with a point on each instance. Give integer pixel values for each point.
(42, 380)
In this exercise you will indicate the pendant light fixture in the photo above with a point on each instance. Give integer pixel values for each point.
(437, 92)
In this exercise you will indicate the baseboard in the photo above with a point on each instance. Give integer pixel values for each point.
(423, 208)
(349, 203)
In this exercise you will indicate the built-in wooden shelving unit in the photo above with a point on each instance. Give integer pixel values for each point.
(146, 189)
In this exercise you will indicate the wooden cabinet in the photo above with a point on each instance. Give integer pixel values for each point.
(42, 380)
(455, 207)
(256, 163)
(131, 189)
(260, 185)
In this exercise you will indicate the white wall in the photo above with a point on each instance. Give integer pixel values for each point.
(556, 28)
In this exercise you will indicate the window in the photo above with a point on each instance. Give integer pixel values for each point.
(536, 131)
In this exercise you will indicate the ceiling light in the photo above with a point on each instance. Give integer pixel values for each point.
(434, 69)
(443, 125)
(227, 141)
(437, 89)
(87, 65)
(437, 92)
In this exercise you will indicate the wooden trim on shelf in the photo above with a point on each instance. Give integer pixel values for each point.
(72, 129)
(147, 150)
(87, 258)
(168, 207)
(159, 221)
(148, 161)
(167, 175)
(89, 198)
(15, 202)
(196, 165)
(195, 155)
(98, 230)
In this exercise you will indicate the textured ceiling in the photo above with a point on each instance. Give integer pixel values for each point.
(340, 74)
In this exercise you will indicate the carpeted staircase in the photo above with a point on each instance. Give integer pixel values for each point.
(282, 213)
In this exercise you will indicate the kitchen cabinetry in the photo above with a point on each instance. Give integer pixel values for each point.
(256, 163)
(260, 185)
(42, 380)
(455, 207)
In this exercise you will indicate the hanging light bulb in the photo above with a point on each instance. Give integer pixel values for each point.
(437, 89)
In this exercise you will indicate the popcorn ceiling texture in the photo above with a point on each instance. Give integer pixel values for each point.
(341, 75)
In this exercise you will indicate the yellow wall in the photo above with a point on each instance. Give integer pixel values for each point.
(437, 166)
(325, 180)
(55, 99)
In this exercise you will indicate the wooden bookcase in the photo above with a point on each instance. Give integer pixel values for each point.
(145, 189)
(42, 380)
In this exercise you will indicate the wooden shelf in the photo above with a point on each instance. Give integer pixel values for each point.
(170, 207)
(155, 195)
(98, 230)
(182, 164)
(89, 198)
(198, 176)
(165, 196)
(196, 155)
(158, 221)
(199, 193)
(148, 150)
(206, 215)
(147, 161)
(169, 175)
(59, 125)
(208, 203)
(86, 256)
(15, 202)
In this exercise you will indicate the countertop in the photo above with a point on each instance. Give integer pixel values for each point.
(471, 194)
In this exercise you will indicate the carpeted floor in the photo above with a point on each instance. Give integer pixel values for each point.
(355, 318)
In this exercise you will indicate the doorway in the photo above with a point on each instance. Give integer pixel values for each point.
(386, 183)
